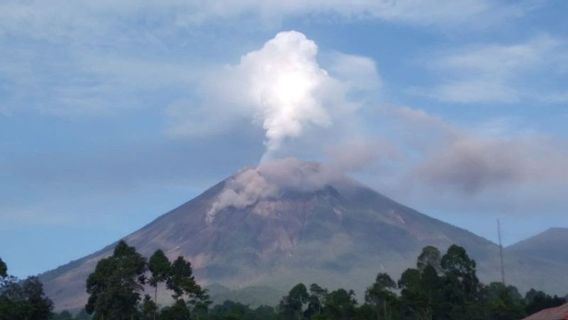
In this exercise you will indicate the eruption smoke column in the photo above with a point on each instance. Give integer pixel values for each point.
(284, 85)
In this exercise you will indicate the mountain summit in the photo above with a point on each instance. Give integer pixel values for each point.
(548, 245)
(281, 223)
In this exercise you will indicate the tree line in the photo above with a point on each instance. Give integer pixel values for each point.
(439, 287)
(23, 300)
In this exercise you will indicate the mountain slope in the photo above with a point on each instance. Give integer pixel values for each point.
(549, 245)
(541, 261)
(281, 223)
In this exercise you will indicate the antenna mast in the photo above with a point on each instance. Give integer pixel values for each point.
(501, 252)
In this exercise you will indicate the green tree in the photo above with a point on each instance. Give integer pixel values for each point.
(185, 289)
(264, 313)
(421, 288)
(414, 299)
(177, 311)
(229, 310)
(366, 312)
(340, 305)
(503, 302)
(25, 300)
(5, 278)
(40, 305)
(200, 302)
(160, 269)
(461, 285)
(316, 301)
(3, 269)
(430, 256)
(292, 306)
(537, 300)
(381, 296)
(22, 300)
(460, 267)
(115, 286)
(149, 309)
(181, 280)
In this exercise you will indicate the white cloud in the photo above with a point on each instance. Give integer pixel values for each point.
(496, 73)
(51, 48)
(283, 88)
(283, 83)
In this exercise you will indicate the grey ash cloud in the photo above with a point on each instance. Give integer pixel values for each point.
(471, 165)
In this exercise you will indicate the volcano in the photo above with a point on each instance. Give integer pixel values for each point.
(272, 226)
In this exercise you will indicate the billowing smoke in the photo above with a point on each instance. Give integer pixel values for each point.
(285, 90)
(284, 84)
(244, 189)
(268, 180)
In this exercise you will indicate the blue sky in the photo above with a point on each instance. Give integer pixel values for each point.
(114, 112)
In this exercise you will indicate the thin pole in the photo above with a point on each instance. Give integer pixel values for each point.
(501, 252)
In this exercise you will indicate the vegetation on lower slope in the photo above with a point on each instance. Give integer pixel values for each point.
(441, 287)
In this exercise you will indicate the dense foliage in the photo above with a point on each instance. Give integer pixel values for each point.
(116, 287)
(440, 287)
(22, 299)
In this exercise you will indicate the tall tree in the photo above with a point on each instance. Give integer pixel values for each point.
(414, 299)
(316, 301)
(340, 305)
(421, 288)
(185, 289)
(177, 311)
(3, 269)
(458, 265)
(292, 306)
(5, 278)
(503, 302)
(181, 280)
(148, 309)
(116, 284)
(25, 300)
(160, 269)
(381, 296)
(430, 256)
(461, 285)
(537, 300)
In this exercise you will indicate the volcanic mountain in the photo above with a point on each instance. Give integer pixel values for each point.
(543, 259)
(549, 246)
(272, 226)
